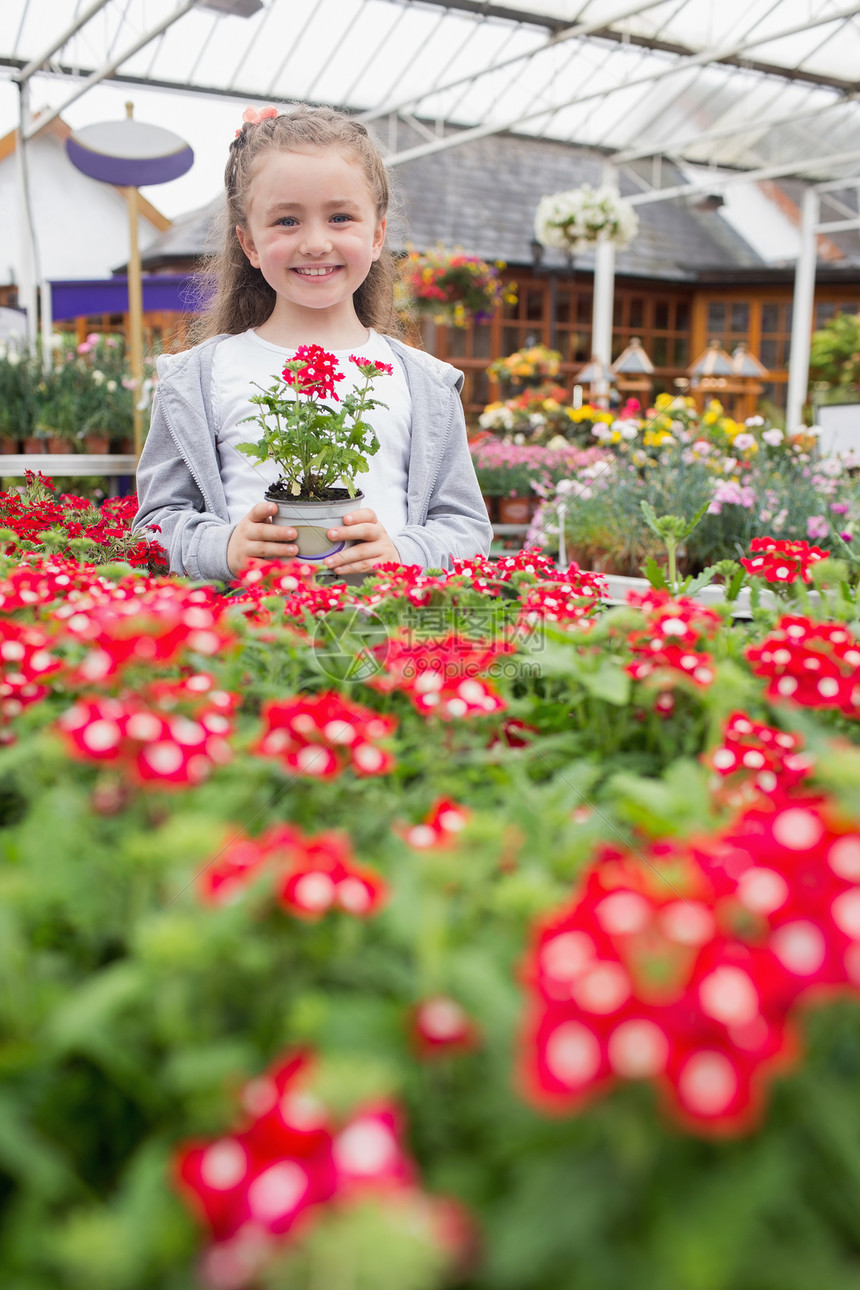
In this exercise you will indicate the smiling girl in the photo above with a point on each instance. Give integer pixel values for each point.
(303, 262)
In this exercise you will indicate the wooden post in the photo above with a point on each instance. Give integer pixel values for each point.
(135, 309)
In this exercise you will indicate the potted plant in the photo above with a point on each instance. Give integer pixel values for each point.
(19, 377)
(452, 286)
(319, 449)
(535, 365)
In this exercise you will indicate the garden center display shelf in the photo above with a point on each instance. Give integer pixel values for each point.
(61, 465)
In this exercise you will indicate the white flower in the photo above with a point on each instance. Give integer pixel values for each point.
(743, 442)
(754, 421)
(110, 387)
(831, 466)
(56, 341)
(773, 438)
(98, 377)
(580, 217)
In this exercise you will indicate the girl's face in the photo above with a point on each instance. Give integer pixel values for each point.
(312, 230)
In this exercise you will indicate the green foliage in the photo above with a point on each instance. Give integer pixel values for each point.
(77, 392)
(131, 1012)
(834, 356)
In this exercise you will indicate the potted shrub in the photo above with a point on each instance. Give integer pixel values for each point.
(19, 376)
(319, 449)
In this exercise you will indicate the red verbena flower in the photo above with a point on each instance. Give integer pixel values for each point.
(313, 371)
(256, 1187)
(814, 664)
(322, 734)
(751, 751)
(440, 1026)
(439, 828)
(322, 875)
(441, 676)
(691, 979)
(157, 748)
(778, 560)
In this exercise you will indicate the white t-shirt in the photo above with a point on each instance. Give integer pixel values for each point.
(246, 360)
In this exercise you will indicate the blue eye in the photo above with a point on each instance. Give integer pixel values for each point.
(342, 217)
(287, 220)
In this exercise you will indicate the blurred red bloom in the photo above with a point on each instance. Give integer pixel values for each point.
(782, 561)
(322, 734)
(814, 664)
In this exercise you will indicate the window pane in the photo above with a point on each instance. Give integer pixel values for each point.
(716, 319)
(510, 340)
(534, 306)
(456, 342)
(682, 352)
(774, 392)
(769, 353)
(581, 346)
(481, 342)
(562, 311)
(824, 311)
(637, 312)
(481, 388)
(682, 316)
(770, 318)
(741, 318)
(583, 309)
(661, 315)
(660, 351)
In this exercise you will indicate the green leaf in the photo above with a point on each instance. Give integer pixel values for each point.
(655, 573)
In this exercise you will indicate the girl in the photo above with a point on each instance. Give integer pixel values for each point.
(303, 262)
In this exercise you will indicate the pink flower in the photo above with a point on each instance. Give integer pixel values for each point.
(817, 527)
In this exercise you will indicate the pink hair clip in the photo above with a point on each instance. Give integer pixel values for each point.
(253, 116)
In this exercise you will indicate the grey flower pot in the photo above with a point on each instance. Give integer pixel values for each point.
(312, 519)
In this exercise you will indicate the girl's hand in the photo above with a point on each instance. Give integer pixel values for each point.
(373, 545)
(256, 538)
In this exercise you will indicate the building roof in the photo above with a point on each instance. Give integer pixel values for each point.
(482, 197)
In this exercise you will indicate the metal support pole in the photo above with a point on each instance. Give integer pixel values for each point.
(26, 232)
(801, 318)
(604, 296)
(135, 309)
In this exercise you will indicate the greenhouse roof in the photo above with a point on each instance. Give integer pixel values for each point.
(769, 87)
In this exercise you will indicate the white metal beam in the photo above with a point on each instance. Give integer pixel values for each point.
(759, 124)
(731, 49)
(106, 69)
(569, 33)
(57, 44)
(717, 182)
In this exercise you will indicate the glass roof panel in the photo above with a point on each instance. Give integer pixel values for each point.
(741, 83)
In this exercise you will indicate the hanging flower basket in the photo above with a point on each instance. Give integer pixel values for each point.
(581, 217)
(452, 287)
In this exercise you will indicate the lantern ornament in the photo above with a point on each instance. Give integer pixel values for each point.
(633, 371)
(735, 379)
